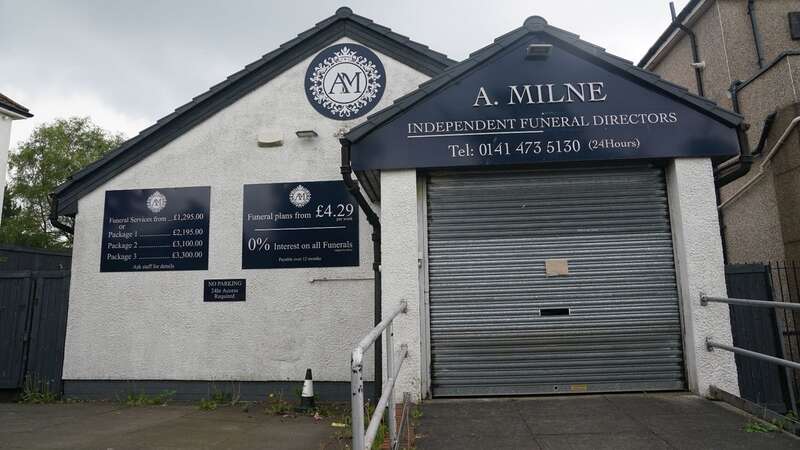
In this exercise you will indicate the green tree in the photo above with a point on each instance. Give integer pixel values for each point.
(52, 153)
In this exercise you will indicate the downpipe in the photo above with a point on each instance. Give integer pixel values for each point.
(764, 164)
(374, 221)
(696, 63)
(744, 162)
(756, 36)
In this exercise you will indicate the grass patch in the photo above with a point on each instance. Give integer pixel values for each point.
(36, 390)
(218, 397)
(207, 405)
(416, 413)
(789, 421)
(277, 406)
(757, 426)
(142, 399)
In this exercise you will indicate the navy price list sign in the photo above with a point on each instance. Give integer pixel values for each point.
(156, 229)
(302, 224)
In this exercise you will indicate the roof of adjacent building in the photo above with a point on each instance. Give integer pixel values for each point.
(14, 107)
(671, 28)
(343, 23)
(538, 24)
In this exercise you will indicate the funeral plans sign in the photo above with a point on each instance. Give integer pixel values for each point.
(155, 229)
(566, 107)
(303, 224)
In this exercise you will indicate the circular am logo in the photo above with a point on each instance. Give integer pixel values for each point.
(156, 202)
(345, 81)
(300, 196)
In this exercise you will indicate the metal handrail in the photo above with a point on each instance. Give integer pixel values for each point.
(386, 398)
(705, 300)
(361, 439)
(710, 345)
(785, 363)
(403, 416)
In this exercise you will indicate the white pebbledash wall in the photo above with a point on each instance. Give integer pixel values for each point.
(701, 270)
(698, 259)
(400, 277)
(155, 326)
(5, 140)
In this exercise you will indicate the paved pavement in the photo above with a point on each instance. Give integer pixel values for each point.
(618, 422)
(111, 426)
(624, 421)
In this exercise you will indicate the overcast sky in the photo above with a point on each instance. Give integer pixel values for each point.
(126, 63)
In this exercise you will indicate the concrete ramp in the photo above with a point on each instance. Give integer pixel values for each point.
(619, 421)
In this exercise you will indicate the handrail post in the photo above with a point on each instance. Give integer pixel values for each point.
(362, 437)
(390, 372)
(357, 400)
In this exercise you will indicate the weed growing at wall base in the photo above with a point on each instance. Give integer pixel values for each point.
(36, 390)
(207, 405)
(142, 399)
(277, 405)
(757, 426)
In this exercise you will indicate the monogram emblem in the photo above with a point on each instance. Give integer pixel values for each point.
(345, 81)
(300, 196)
(156, 202)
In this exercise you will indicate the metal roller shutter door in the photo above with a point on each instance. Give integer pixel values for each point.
(500, 326)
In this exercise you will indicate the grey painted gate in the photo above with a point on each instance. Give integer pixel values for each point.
(500, 325)
(33, 321)
(758, 329)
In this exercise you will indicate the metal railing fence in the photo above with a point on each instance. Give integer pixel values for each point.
(363, 439)
(785, 286)
(787, 364)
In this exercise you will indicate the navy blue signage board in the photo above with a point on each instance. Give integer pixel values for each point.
(229, 290)
(345, 81)
(512, 109)
(156, 229)
(302, 224)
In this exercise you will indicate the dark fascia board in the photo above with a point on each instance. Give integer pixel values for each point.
(539, 25)
(14, 107)
(674, 25)
(343, 23)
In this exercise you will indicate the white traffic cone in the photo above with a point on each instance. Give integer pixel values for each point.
(307, 397)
